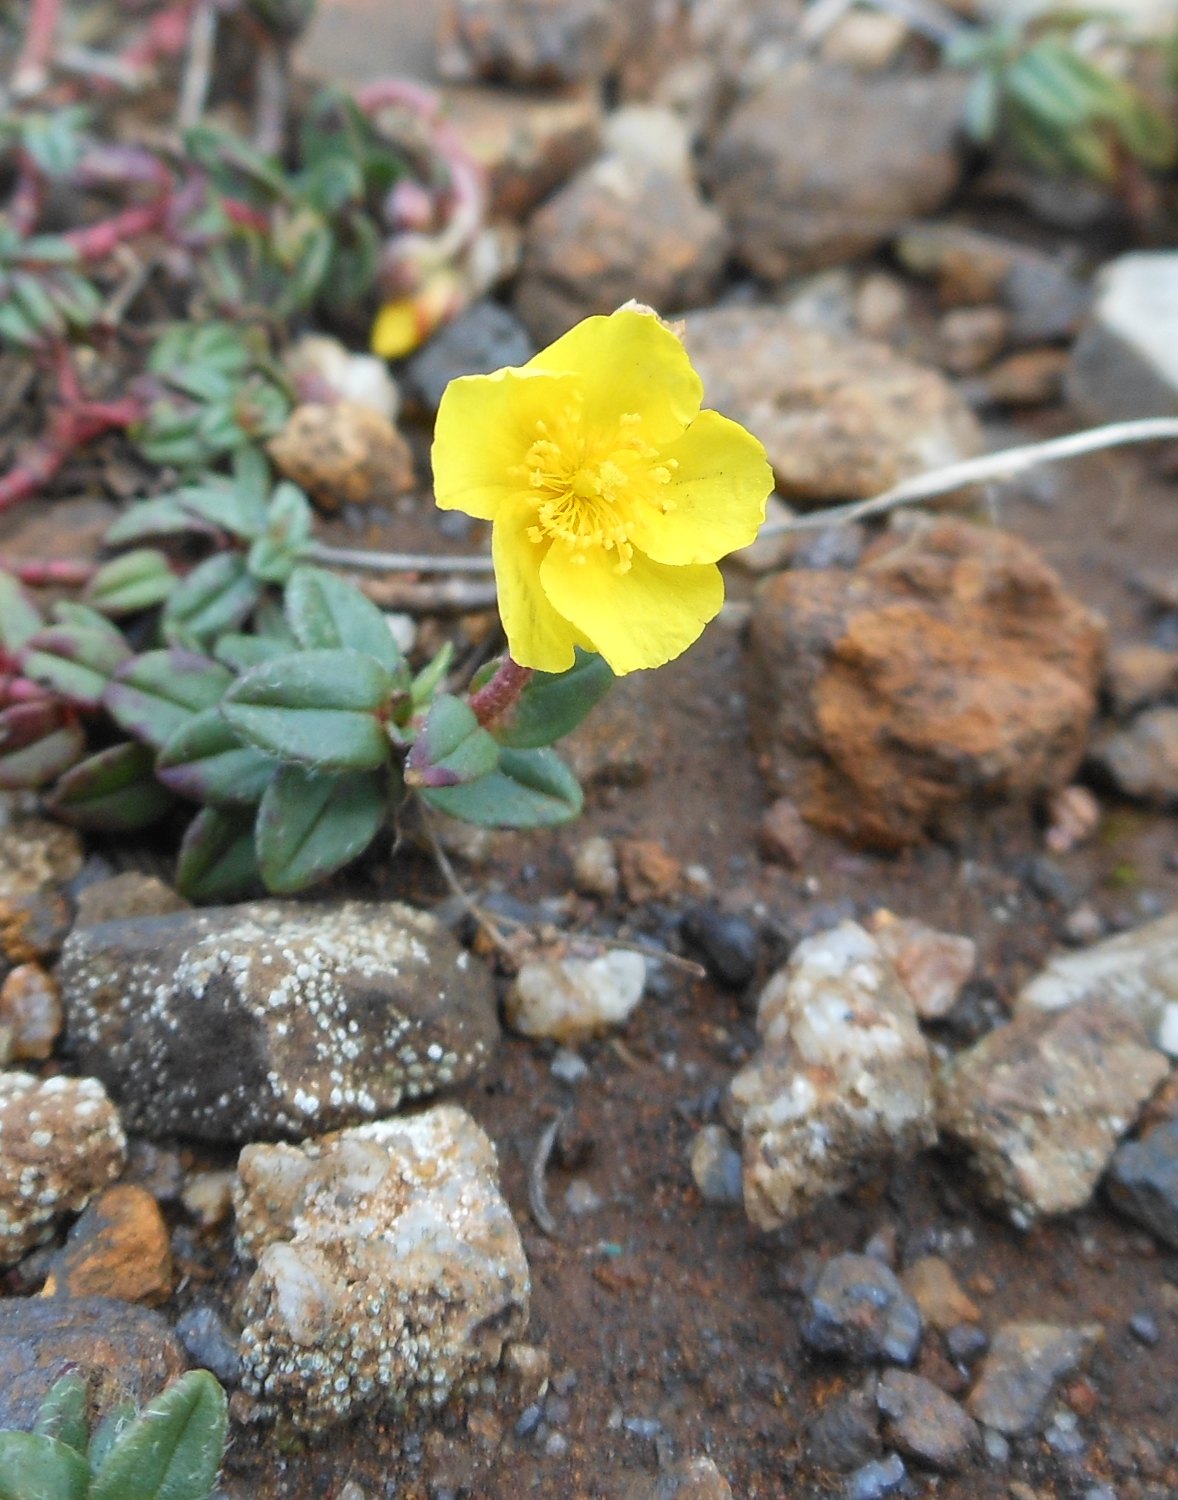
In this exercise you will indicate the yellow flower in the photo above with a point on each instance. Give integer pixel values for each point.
(612, 495)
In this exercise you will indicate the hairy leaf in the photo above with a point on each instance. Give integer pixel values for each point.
(530, 789)
(325, 612)
(451, 747)
(205, 760)
(153, 695)
(553, 704)
(173, 1449)
(115, 790)
(217, 860)
(310, 824)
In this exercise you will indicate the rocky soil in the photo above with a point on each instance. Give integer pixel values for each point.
(803, 1121)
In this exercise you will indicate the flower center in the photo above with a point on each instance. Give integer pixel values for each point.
(589, 488)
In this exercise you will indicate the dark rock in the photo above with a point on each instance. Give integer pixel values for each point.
(128, 1350)
(1026, 1362)
(858, 1309)
(845, 1433)
(479, 341)
(210, 1345)
(884, 1476)
(840, 417)
(924, 1423)
(949, 671)
(272, 1019)
(820, 166)
(728, 944)
(1143, 1182)
(966, 1343)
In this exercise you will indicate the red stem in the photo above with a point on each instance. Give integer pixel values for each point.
(37, 52)
(70, 427)
(501, 693)
(97, 241)
(49, 572)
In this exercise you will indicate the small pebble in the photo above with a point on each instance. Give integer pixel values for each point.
(997, 1447)
(581, 1197)
(556, 1445)
(210, 1345)
(727, 944)
(716, 1166)
(568, 1066)
(595, 868)
(966, 1342)
(1144, 1326)
(643, 1427)
(883, 1476)
(529, 1419)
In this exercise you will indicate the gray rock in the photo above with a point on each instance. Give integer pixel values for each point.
(1142, 758)
(845, 1433)
(716, 1166)
(840, 417)
(842, 1086)
(572, 999)
(210, 1345)
(389, 1268)
(127, 895)
(858, 1309)
(820, 166)
(1143, 1181)
(1093, 1065)
(127, 1351)
(620, 229)
(924, 1423)
(484, 338)
(883, 1476)
(273, 1018)
(1125, 362)
(689, 1479)
(60, 1143)
(1018, 1377)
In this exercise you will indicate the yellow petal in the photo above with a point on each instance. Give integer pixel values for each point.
(537, 635)
(720, 482)
(641, 618)
(397, 330)
(485, 425)
(628, 363)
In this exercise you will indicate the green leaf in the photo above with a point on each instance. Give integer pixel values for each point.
(288, 529)
(19, 616)
(157, 693)
(36, 1467)
(315, 708)
(74, 660)
(530, 789)
(138, 580)
(38, 741)
(173, 1449)
(215, 597)
(982, 103)
(451, 747)
(325, 612)
(310, 825)
(553, 704)
(108, 1431)
(164, 516)
(204, 760)
(115, 790)
(431, 677)
(241, 652)
(65, 1412)
(217, 859)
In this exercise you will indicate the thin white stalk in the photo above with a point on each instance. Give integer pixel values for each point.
(395, 562)
(991, 466)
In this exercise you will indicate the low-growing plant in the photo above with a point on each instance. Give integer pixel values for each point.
(171, 1450)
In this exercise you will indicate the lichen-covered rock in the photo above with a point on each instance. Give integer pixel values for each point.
(949, 671)
(127, 1352)
(273, 1018)
(60, 1143)
(840, 417)
(389, 1268)
(1041, 1103)
(842, 1086)
(343, 454)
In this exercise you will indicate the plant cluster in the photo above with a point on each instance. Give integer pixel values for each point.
(171, 1450)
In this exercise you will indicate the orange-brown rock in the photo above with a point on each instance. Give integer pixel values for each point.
(118, 1248)
(30, 1008)
(343, 454)
(948, 672)
(648, 872)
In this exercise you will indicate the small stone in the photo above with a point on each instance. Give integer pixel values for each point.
(859, 1310)
(1031, 377)
(1143, 1181)
(965, 1343)
(126, 1351)
(208, 1197)
(270, 1017)
(997, 1447)
(62, 1143)
(321, 368)
(1025, 1365)
(883, 1476)
(343, 454)
(395, 1232)
(782, 835)
(37, 859)
(931, 1284)
(1138, 675)
(210, 1345)
(1073, 816)
(118, 1248)
(728, 944)
(845, 1433)
(932, 966)
(1144, 1328)
(529, 42)
(716, 1166)
(568, 1067)
(581, 1198)
(882, 305)
(1142, 758)
(1125, 362)
(30, 1008)
(529, 1366)
(484, 338)
(924, 1423)
(842, 1085)
(648, 871)
(689, 1479)
(971, 338)
(128, 895)
(864, 40)
(595, 868)
(572, 999)
(1092, 1061)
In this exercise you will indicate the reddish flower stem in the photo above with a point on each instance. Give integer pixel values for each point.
(37, 52)
(49, 572)
(97, 241)
(21, 690)
(70, 427)
(501, 693)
